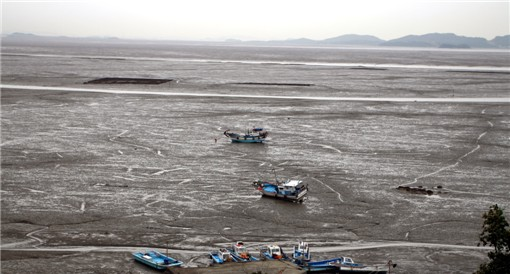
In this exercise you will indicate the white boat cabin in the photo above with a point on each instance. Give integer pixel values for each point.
(290, 186)
(239, 248)
(347, 260)
(225, 254)
(302, 251)
(274, 250)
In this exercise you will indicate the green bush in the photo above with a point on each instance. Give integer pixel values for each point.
(495, 232)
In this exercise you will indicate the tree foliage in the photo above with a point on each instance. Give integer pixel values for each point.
(495, 232)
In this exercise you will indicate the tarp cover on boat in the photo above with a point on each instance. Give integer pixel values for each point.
(270, 188)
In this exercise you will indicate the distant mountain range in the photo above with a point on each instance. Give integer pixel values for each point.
(431, 40)
(448, 40)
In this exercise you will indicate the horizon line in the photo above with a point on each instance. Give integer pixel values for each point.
(5, 34)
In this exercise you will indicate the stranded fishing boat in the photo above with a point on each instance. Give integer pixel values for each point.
(240, 253)
(156, 260)
(301, 253)
(290, 190)
(344, 265)
(272, 252)
(221, 256)
(255, 135)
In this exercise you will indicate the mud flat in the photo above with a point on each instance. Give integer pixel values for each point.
(89, 177)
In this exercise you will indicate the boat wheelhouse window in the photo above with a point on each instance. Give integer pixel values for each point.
(275, 250)
(241, 249)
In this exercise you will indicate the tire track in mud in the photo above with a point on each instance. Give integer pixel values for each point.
(322, 249)
(31, 235)
(39, 241)
(457, 162)
(326, 185)
(325, 146)
(375, 245)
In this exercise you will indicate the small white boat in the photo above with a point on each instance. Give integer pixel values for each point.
(221, 255)
(156, 260)
(302, 252)
(240, 253)
(272, 252)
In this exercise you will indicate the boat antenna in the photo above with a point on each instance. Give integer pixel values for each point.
(276, 178)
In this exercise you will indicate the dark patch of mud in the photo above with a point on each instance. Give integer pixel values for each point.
(123, 81)
(418, 190)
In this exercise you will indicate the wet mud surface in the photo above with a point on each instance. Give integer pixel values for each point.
(131, 81)
(110, 174)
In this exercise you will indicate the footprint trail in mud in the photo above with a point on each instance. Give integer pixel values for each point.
(324, 184)
(458, 161)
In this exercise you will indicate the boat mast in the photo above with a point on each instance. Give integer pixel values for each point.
(276, 178)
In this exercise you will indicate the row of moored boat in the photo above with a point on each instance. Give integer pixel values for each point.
(238, 253)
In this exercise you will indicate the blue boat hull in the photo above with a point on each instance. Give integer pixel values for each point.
(153, 265)
(217, 259)
(248, 140)
(156, 260)
(236, 257)
(335, 266)
(321, 266)
(256, 137)
(271, 191)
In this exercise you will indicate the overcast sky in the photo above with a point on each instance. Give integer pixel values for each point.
(255, 19)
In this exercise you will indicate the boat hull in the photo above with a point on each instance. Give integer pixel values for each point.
(270, 190)
(238, 258)
(250, 137)
(337, 266)
(293, 198)
(156, 260)
(217, 259)
(326, 266)
(247, 140)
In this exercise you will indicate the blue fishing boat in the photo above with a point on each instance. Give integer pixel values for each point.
(156, 260)
(301, 253)
(321, 266)
(289, 190)
(255, 135)
(221, 256)
(240, 253)
(343, 265)
(272, 252)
